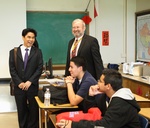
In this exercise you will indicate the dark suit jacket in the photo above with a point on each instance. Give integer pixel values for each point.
(89, 49)
(33, 69)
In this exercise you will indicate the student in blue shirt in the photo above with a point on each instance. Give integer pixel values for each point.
(79, 82)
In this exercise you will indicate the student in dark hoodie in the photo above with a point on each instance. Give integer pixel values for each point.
(122, 111)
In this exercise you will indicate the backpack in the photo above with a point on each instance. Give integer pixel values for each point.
(12, 85)
(59, 94)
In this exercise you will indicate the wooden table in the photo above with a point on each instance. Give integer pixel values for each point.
(51, 108)
(143, 102)
(145, 112)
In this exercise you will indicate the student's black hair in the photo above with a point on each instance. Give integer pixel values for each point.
(27, 30)
(79, 61)
(112, 77)
(36, 43)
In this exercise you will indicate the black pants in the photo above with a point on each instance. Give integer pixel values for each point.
(27, 108)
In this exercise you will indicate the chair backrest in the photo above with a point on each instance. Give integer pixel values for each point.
(143, 121)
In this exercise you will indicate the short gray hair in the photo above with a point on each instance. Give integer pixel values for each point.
(79, 20)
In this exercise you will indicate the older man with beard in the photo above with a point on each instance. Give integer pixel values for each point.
(85, 46)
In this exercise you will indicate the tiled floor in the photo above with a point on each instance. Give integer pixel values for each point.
(8, 120)
(8, 111)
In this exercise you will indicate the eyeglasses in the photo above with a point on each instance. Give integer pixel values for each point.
(99, 81)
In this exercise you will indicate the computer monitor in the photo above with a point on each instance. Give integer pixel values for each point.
(50, 68)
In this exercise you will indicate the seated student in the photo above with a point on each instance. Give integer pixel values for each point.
(99, 100)
(122, 111)
(79, 82)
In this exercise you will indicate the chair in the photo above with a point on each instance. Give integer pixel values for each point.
(143, 121)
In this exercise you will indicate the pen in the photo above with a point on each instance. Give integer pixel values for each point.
(143, 77)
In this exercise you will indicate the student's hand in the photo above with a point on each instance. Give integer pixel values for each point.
(69, 79)
(64, 123)
(94, 90)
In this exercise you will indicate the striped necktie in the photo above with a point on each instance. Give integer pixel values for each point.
(74, 49)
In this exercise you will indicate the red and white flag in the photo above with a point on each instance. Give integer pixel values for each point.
(95, 11)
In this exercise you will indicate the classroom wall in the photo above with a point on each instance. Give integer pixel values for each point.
(116, 17)
(12, 21)
(142, 5)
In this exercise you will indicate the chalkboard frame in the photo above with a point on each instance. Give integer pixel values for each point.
(48, 51)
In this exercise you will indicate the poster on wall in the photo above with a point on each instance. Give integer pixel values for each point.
(105, 38)
(142, 31)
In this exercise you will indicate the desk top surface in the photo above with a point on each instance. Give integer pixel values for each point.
(41, 105)
(53, 81)
(145, 112)
(140, 98)
(136, 78)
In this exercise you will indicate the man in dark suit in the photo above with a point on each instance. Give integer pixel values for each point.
(26, 79)
(87, 47)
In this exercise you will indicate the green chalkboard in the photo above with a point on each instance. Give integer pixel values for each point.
(54, 32)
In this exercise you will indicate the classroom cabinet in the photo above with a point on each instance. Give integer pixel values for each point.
(138, 86)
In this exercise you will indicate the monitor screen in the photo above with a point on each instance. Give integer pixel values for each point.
(50, 68)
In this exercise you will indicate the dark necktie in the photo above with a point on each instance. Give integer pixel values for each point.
(25, 58)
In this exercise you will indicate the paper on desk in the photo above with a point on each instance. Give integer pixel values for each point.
(52, 81)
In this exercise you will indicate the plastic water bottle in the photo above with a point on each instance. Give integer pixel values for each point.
(47, 97)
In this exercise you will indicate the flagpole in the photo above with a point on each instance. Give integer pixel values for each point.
(87, 6)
